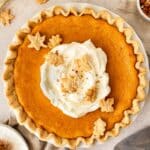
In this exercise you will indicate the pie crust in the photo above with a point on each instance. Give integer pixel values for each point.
(22, 116)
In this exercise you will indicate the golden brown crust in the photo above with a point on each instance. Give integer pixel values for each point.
(99, 128)
(36, 41)
(54, 59)
(54, 41)
(106, 105)
(25, 120)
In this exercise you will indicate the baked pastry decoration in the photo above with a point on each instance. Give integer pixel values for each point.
(75, 76)
(6, 17)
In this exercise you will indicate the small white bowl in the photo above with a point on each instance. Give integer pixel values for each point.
(141, 11)
(11, 135)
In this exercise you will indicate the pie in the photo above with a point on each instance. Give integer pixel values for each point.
(74, 76)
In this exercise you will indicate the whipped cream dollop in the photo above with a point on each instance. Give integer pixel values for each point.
(74, 78)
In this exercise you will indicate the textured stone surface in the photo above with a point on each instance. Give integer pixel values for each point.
(137, 141)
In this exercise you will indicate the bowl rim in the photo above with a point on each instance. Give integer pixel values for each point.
(141, 11)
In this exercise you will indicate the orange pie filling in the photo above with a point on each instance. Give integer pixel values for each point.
(67, 83)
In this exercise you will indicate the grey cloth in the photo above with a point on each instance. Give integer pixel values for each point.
(137, 141)
(33, 142)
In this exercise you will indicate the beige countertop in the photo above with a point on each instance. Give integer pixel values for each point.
(25, 9)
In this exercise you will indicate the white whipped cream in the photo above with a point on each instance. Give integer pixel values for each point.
(73, 104)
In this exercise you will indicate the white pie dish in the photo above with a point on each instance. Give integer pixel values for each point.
(77, 7)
